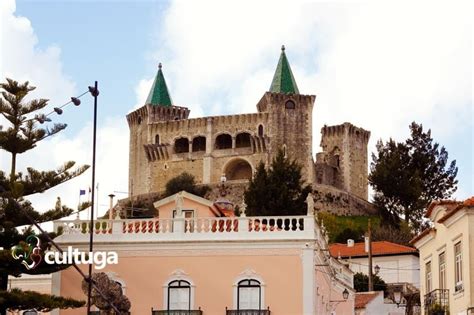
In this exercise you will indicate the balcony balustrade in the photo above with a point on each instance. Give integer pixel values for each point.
(436, 302)
(248, 312)
(276, 227)
(176, 312)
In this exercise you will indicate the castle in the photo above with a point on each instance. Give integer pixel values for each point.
(164, 142)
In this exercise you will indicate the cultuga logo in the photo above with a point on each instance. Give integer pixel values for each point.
(29, 252)
(31, 255)
(98, 259)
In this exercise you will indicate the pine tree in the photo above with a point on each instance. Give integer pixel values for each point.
(22, 135)
(278, 191)
(407, 176)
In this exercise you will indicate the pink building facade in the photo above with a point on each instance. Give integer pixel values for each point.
(196, 257)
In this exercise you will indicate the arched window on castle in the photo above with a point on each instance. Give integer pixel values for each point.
(199, 144)
(242, 140)
(157, 139)
(290, 104)
(223, 141)
(260, 130)
(181, 145)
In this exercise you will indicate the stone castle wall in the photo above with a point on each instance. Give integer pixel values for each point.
(164, 143)
(345, 151)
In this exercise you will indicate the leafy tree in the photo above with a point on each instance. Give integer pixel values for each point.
(348, 233)
(407, 176)
(278, 190)
(22, 135)
(361, 283)
(186, 182)
(400, 234)
(17, 300)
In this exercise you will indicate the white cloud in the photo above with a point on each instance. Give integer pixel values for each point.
(22, 60)
(379, 65)
(111, 163)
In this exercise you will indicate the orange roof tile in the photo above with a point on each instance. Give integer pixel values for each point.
(379, 248)
(363, 298)
(449, 203)
(421, 235)
(467, 203)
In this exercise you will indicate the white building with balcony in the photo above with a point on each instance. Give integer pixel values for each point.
(196, 258)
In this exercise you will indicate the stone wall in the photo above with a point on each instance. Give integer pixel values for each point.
(340, 202)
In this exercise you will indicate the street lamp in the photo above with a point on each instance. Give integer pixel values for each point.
(376, 269)
(345, 296)
(397, 294)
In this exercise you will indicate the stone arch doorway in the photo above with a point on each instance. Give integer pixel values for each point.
(238, 169)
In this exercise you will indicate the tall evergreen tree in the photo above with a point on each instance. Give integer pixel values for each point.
(278, 190)
(22, 135)
(407, 176)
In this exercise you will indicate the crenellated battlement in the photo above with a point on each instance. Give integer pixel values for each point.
(277, 98)
(340, 130)
(222, 123)
(154, 114)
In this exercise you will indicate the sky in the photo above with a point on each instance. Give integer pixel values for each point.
(377, 64)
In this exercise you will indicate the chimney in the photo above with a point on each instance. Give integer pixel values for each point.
(350, 243)
(111, 208)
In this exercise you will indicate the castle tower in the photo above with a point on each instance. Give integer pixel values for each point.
(158, 108)
(290, 117)
(345, 150)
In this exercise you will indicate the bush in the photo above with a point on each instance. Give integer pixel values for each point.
(361, 283)
(186, 182)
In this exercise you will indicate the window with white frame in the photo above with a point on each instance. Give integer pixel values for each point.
(457, 266)
(442, 270)
(428, 276)
(249, 295)
(179, 295)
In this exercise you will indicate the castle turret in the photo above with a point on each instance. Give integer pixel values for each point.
(343, 162)
(290, 117)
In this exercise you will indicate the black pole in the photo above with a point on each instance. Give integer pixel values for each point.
(95, 93)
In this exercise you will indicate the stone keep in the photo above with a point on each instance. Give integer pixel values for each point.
(164, 142)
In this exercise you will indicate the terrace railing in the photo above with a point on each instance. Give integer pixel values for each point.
(192, 228)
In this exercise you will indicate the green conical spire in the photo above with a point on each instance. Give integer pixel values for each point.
(159, 95)
(283, 80)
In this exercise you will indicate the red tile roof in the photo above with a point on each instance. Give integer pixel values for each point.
(363, 298)
(466, 203)
(450, 204)
(421, 235)
(379, 248)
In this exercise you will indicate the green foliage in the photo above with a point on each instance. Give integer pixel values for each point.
(336, 225)
(400, 234)
(277, 191)
(21, 135)
(361, 283)
(407, 176)
(348, 233)
(16, 300)
(186, 182)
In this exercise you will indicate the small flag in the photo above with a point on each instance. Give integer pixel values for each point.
(82, 192)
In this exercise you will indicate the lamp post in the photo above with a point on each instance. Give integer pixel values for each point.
(345, 296)
(376, 269)
(94, 92)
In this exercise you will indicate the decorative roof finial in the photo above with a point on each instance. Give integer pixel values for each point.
(159, 66)
(282, 47)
